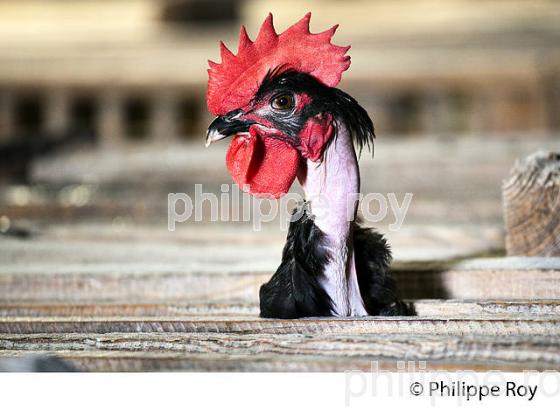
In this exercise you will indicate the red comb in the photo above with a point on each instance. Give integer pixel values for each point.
(233, 83)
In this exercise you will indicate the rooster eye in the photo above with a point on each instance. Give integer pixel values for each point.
(284, 102)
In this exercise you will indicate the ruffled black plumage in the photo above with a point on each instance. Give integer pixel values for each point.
(377, 285)
(294, 290)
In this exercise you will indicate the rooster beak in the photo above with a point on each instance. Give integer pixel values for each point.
(226, 126)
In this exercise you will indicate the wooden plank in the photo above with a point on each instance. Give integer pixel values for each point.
(128, 310)
(482, 308)
(478, 284)
(488, 278)
(531, 199)
(143, 362)
(218, 249)
(252, 325)
(317, 351)
(128, 285)
(424, 307)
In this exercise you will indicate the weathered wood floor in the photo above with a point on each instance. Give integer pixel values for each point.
(104, 285)
(475, 335)
(474, 313)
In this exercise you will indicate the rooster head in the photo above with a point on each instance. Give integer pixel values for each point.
(276, 99)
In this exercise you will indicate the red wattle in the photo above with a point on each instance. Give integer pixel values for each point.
(262, 166)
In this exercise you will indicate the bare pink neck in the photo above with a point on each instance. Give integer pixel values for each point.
(331, 185)
(331, 189)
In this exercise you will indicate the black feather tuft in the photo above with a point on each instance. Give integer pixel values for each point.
(355, 118)
(294, 290)
(377, 285)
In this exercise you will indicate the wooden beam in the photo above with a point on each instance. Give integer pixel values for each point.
(264, 352)
(129, 310)
(253, 325)
(92, 361)
(424, 308)
(487, 308)
(485, 278)
(531, 200)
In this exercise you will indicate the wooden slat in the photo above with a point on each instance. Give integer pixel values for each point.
(491, 278)
(424, 307)
(483, 308)
(253, 325)
(317, 351)
(457, 283)
(531, 200)
(128, 310)
(131, 285)
(142, 362)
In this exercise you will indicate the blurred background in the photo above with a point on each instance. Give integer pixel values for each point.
(103, 114)
(102, 107)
